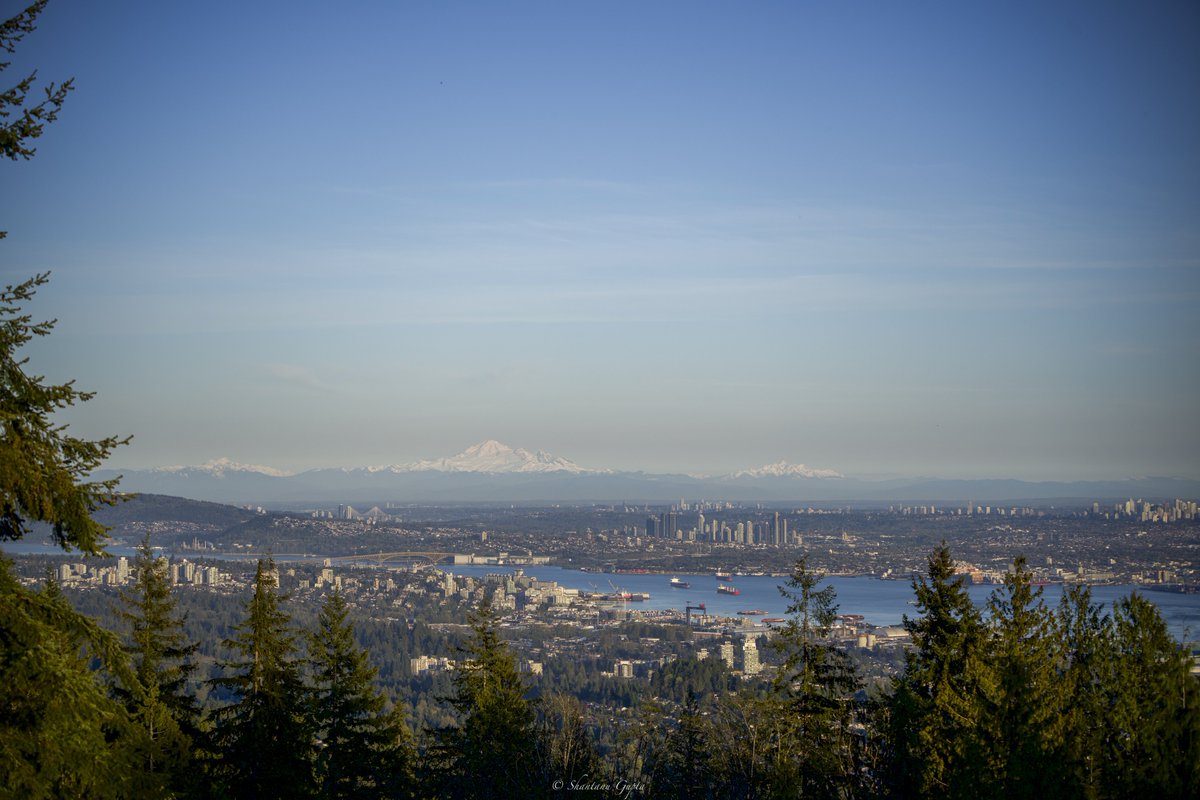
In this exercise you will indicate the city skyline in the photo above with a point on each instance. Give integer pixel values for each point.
(956, 242)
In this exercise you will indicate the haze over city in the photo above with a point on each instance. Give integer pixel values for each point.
(675, 237)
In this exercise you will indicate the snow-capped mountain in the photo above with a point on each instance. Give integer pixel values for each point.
(491, 456)
(782, 469)
(488, 457)
(218, 467)
(494, 472)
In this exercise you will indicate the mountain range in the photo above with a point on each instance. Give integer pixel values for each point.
(494, 472)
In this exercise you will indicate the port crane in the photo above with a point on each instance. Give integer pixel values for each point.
(688, 609)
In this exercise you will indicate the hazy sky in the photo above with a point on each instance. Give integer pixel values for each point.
(958, 239)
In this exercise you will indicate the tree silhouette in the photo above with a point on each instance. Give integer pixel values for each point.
(161, 657)
(817, 683)
(1022, 719)
(363, 751)
(264, 737)
(60, 734)
(492, 752)
(936, 703)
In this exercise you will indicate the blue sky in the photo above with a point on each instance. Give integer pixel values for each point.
(915, 238)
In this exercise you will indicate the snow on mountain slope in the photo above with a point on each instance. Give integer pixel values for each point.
(493, 456)
(782, 469)
(218, 467)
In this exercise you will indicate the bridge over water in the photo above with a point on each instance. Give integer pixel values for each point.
(429, 558)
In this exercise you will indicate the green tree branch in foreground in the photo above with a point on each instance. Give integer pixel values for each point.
(30, 120)
(60, 734)
(42, 467)
(43, 470)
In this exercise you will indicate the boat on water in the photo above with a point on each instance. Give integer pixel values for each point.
(728, 588)
(676, 583)
(773, 620)
(754, 612)
(724, 576)
(624, 597)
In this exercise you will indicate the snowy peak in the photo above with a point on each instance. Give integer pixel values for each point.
(782, 469)
(493, 456)
(218, 467)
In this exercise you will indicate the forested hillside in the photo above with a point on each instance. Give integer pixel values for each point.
(1014, 700)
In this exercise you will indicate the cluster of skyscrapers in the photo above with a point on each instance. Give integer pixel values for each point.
(773, 531)
(1146, 511)
(180, 573)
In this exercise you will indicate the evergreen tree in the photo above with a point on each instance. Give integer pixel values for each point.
(1087, 655)
(61, 735)
(1022, 719)
(161, 657)
(492, 752)
(264, 737)
(936, 703)
(363, 751)
(1154, 742)
(818, 682)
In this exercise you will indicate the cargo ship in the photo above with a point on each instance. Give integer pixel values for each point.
(752, 613)
(724, 576)
(727, 588)
(678, 584)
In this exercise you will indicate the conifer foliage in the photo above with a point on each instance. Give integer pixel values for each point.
(492, 752)
(60, 733)
(936, 704)
(22, 121)
(264, 736)
(1021, 721)
(817, 683)
(1040, 704)
(363, 750)
(1152, 745)
(162, 659)
(1086, 671)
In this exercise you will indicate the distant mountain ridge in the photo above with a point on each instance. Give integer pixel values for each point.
(491, 471)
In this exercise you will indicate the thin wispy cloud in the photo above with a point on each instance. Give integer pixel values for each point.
(301, 377)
